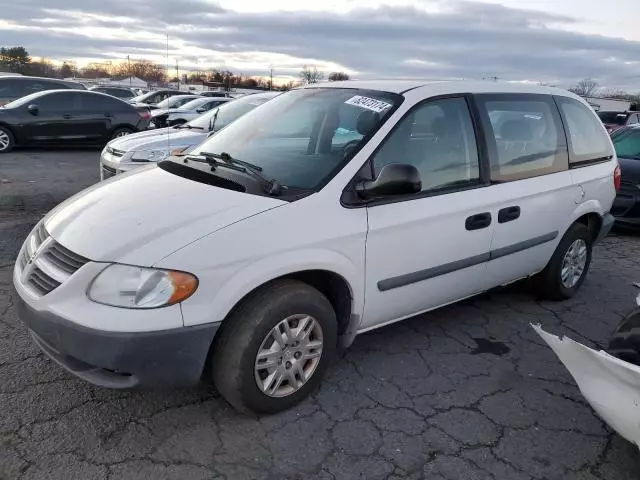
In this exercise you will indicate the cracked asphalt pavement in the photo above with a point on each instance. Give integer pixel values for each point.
(468, 392)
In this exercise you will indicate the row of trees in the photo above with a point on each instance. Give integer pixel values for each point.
(590, 88)
(18, 60)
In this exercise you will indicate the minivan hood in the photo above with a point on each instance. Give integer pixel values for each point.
(141, 217)
(164, 138)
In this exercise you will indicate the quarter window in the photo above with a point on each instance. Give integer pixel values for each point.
(524, 135)
(587, 138)
(438, 139)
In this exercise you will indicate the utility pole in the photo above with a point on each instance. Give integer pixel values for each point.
(129, 62)
(178, 73)
(271, 77)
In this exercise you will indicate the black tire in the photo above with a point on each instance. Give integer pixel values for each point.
(625, 342)
(549, 281)
(234, 352)
(121, 132)
(6, 135)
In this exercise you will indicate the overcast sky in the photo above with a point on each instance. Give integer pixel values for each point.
(554, 41)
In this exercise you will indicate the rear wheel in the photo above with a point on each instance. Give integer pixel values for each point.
(121, 132)
(625, 342)
(275, 347)
(568, 266)
(6, 140)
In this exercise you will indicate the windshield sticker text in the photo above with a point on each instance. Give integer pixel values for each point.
(368, 103)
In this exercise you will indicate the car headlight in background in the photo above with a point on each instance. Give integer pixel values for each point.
(149, 155)
(127, 286)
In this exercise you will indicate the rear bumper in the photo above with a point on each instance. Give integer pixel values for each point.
(607, 223)
(166, 358)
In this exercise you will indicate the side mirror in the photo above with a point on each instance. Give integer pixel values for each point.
(33, 109)
(200, 110)
(393, 179)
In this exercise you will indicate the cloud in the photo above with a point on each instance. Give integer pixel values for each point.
(462, 39)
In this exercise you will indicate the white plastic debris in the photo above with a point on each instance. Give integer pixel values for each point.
(610, 385)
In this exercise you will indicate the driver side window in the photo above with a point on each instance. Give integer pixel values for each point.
(438, 139)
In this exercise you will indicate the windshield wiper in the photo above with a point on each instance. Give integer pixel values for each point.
(223, 159)
(212, 122)
(190, 127)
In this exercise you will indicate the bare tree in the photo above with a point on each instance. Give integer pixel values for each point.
(310, 75)
(337, 76)
(585, 87)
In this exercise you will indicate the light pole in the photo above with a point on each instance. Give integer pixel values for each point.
(129, 69)
(271, 77)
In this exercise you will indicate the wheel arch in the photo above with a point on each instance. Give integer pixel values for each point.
(590, 215)
(16, 137)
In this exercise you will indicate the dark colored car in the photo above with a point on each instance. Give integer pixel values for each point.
(154, 97)
(118, 92)
(626, 207)
(14, 87)
(68, 116)
(614, 120)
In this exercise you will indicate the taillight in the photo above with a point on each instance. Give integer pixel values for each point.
(145, 114)
(617, 175)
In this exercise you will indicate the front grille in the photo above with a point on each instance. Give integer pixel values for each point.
(108, 172)
(45, 264)
(115, 152)
(630, 186)
(64, 258)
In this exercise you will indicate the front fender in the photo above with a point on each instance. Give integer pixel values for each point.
(225, 288)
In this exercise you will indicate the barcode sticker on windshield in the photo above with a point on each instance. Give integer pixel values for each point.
(368, 103)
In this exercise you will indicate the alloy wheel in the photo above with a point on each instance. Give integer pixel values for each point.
(574, 263)
(288, 356)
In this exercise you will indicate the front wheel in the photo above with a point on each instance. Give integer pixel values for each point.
(625, 342)
(121, 132)
(274, 349)
(568, 266)
(6, 140)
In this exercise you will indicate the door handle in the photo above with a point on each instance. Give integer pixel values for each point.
(67, 117)
(478, 221)
(508, 214)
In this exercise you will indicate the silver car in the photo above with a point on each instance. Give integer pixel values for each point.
(126, 153)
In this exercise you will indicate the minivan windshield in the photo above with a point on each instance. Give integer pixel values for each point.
(302, 137)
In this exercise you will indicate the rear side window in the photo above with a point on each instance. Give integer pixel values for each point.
(588, 140)
(101, 104)
(524, 135)
(33, 86)
(11, 88)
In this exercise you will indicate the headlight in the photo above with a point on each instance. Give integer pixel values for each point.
(127, 286)
(149, 155)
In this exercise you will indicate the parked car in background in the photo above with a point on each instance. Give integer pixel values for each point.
(14, 86)
(614, 120)
(137, 150)
(626, 207)
(68, 117)
(118, 92)
(214, 94)
(176, 116)
(154, 97)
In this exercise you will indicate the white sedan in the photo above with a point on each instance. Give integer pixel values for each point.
(185, 113)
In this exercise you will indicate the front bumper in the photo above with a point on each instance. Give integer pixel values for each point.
(166, 358)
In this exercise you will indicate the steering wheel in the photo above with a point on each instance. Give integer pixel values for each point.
(349, 147)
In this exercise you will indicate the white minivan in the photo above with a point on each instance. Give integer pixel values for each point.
(327, 212)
